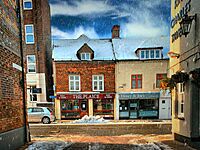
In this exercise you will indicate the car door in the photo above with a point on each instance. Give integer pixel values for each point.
(37, 114)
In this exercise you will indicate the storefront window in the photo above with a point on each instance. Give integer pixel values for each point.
(148, 104)
(70, 105)
(103, 107)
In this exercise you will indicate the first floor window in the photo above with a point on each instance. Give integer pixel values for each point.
(98, 82)
(160, 77)
(29, 34)
(74, 83)
(27, 4)
(31, 64)
(136, 81)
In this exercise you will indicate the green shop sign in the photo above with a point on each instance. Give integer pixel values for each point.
(139, 96)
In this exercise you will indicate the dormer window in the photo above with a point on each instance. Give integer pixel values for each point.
(85, 56)
(149, 53)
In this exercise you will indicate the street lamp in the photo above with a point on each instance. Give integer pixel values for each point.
(186, 24)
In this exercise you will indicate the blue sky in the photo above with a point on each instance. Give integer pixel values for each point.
(95, 18)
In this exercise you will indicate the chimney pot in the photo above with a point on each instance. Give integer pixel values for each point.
(115, 31)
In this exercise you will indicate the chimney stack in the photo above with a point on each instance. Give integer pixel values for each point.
(115, 31)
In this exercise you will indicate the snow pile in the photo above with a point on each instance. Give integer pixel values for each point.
(91, 119)
(53, 145)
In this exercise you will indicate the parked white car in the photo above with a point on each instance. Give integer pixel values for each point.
(40, 114)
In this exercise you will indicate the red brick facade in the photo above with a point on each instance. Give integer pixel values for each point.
(39, 16)
(11, 102)
(85, 69)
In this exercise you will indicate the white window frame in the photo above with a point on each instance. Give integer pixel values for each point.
(26, 34)
(98, 81)
(181, 98)
(159, 54)
(85, 54)
(31, 63)
(31, 4)
(74, 82)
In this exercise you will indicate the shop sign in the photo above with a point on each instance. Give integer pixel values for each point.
(178, 17)
(85, 96)
(139, 96)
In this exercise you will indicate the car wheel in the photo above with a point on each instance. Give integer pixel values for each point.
(46, 120)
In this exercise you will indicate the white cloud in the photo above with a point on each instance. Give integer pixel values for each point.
(59, 34)
(83, 7)
(141, 30)
(143, 22)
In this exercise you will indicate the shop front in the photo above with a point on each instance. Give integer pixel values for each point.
(138, 105)
(74, 106)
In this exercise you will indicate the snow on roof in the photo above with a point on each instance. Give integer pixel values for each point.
(66, 49)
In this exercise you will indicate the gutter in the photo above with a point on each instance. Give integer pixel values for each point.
(26, 139)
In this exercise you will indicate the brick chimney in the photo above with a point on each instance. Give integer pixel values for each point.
(115, 31)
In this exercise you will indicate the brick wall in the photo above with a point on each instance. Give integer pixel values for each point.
(39, 16)
(11, 104)
(85, 69)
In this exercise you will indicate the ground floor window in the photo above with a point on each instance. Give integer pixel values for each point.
(103, 107)
(138, 108)
(73, 108)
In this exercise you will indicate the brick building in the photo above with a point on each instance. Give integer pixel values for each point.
(84, 77)
(12, 103)
(93, 71)
(37, 51)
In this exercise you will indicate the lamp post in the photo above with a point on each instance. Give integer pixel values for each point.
(186, 24)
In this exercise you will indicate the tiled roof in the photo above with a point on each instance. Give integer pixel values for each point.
(106, 49)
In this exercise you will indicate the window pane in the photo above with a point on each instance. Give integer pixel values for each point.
(152, 53)
(76, 77)
(147, 54)
(29, 29)
(133, 76)
(139, 76)
(31, 59)
(71, 77)
(71, 85)
(77, 85)
(83, 56)
(100, 78)
(29, 38)
(139, 83)
(95, 77)
(87, 56)
(157, 53)
(31, 68)
(27, 4)
(133, 84)
(142, 54)
(95, 85)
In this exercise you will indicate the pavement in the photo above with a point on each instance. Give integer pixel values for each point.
(75, 140)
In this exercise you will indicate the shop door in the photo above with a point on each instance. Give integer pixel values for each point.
(133, 105)
(84, 108)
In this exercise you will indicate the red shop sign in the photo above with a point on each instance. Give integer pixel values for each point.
(85, 96)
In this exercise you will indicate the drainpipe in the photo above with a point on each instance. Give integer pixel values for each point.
(22, 65)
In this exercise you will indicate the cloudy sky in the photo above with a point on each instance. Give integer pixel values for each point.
(95, 18)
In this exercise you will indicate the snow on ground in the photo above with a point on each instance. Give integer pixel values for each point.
(91, 119)
(49, 145)
(59, 145)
